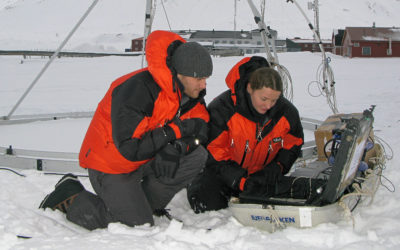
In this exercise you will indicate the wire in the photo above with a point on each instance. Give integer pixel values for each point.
(11, 170)
(382, 144)
(325, 82)
(51, 173)
(325, 78)
(166, 15)
(272, 55)
(393, 189)
(287, 82)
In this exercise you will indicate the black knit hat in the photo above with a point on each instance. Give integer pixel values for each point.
(192, 59)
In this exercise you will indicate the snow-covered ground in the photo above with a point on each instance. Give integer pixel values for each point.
(77, 84)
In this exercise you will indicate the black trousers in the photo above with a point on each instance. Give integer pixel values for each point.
(131, 198)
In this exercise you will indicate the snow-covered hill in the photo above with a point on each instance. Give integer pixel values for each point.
(43, 24)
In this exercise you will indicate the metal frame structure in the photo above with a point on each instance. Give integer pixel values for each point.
(61, 162)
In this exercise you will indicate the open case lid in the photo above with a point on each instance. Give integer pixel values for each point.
(353, 140)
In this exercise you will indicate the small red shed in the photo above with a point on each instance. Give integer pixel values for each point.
(137, 44)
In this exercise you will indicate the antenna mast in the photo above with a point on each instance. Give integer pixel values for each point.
(234, 15)
(315, 7)
(148, 19)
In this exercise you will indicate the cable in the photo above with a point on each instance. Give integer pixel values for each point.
(326, 84)
(380, 162)
(272, 55)
(275, 219)
(51, 173)
(382, 144)
(166, 15)
(325, 78)
(287, 82)
(13, 171)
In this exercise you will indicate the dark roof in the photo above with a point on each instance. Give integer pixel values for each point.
(308, 41)
(373, 33)
(221, 34)
(339, 37)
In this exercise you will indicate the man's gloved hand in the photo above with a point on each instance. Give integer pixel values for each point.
(202, 131)
(186, 145)
(193, 127)
(231, 174)
(270, 175)
(166, 161)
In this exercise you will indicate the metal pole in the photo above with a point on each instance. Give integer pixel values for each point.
(51, 60)
(265, 34)
(263, 11)
(147, 27)
(234, 15)
(316, 6)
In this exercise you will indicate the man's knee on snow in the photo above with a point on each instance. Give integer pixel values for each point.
(85, 211)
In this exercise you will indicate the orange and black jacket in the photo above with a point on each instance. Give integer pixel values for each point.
(238, 133)
(128, 127)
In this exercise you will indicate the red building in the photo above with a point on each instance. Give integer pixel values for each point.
(371, 42)
(137, 44)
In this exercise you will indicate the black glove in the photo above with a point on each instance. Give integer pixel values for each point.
(192, 127)
(196, 204)
(270, 175)
(202, 131)
(166, 161)
(215, 203)
(195, 191)
(206, 192)
(273, 172)
(231, 174)
(186, 145)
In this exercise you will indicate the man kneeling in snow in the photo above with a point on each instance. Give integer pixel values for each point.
(144, 142)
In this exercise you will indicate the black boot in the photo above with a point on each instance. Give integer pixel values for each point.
(66, 189)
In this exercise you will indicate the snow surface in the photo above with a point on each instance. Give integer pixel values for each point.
(77, 84)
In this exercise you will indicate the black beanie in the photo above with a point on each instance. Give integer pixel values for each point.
(192, 59)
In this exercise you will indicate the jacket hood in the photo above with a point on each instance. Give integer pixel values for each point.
(237, 80)
(160, 46)
(239, 75)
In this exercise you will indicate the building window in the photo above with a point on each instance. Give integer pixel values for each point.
(246, 42)
(224, 41)
(239, 42)
(248, 51)
(216, 41)
(258, 43)
(231, 42)
(356, 44)
(366, 51)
